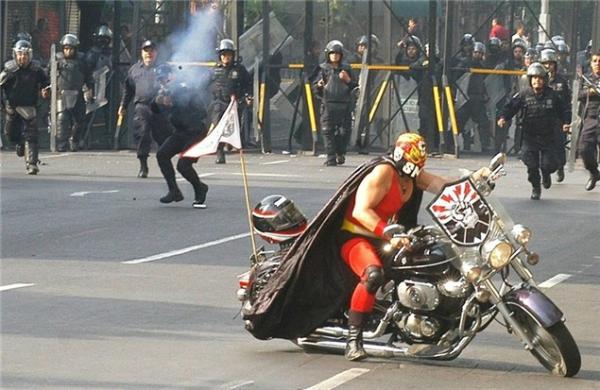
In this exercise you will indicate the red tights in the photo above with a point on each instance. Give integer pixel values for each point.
(359, 254)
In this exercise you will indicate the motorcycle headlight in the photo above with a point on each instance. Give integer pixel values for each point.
(497, 253)
(521, 234)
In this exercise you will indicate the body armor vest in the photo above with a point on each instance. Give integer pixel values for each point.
(335, 90)
(539, 113)
(226, 81)
(21, 87)
(71, 73)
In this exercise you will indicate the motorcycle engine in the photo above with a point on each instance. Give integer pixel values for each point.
(418, 295)
(419, 326)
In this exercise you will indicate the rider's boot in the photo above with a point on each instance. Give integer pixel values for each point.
(354, 347)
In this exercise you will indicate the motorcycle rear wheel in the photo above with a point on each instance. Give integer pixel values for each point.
(554, 347)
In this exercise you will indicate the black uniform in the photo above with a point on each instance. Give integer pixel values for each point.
(225, 82)
(589, 140)
(543, 115)
(141, 87)
(511, 84)
(187, 115)
(336, 109)
(19, 90)
(475, 109)
(72, 76)
(561, 86)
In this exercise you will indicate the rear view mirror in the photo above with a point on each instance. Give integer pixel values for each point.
(497, 161)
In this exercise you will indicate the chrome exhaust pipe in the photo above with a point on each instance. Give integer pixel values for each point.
(372, 349)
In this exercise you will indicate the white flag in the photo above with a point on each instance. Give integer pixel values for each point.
(227, 130)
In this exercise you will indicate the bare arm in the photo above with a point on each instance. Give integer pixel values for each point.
(431, 182)
(371, 191)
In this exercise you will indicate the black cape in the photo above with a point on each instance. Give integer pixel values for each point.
(313, 282)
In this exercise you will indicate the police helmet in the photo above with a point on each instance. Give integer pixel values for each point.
(558, 38)
(410, 154)
(548, 55)
(334, 46)
(563, 48)
(479, 47)
(277, 219)
(226, 45)
(467, 40)
(23, 46)
(549, 45)
(163, 71)
(23, 36)
(148, 44)
(531, 53)
(537, 69)
(104, 31)
(494, 45)
(362, 40)
(69, 40)
(518, 42)
(414, 41)
(539, 47)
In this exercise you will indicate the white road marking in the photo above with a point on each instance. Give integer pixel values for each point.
(200, 176)
(83, 193)
(265, 174)
(178, 252)
(597, 257)
(236, 385)
(553, 281)
(339, 379)
(275, 162)
(15, 285)
(55, 156)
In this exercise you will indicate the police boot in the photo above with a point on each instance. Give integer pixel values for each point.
(143, 173)
(546, 180)
(560, 175)
(174, 194)
(340, 159)
(220, 155)
(591, 183)
(31, 158)
(20, 149)
(200, 196)
(354, 347)
(536, 192)
(73, 145)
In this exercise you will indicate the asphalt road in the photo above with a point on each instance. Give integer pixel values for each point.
(104, 287)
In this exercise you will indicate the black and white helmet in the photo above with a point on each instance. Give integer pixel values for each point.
(23, 47)
(69, 40)
(531, 53)
(277, 219)
(467, 40)
(518, 42)
(479, 47)
(537, 69)
(334, 46)
(363, 40)
(226, 45)
(548, 55)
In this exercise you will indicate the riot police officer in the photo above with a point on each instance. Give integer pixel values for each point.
(362, 44)
(543, 113)
(186, 113)
(140, 88)
(558, 83)
(589, 140)
(229, 78)
(20, 83)
(474, 108)
(335, 81)
(73, 79)
(100, 54)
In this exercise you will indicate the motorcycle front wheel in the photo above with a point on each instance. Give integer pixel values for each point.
(553, 347)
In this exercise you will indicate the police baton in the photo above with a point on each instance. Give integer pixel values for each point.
(118, 132)
(591, 84)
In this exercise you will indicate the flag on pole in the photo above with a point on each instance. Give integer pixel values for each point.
(227, 131)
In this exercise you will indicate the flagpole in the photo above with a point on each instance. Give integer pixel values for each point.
(248, 210)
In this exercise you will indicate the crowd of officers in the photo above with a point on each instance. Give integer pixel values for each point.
(174, 115)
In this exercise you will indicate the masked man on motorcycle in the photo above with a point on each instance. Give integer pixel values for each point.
(334, 258)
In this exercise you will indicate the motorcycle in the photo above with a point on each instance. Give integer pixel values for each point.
(449, 284)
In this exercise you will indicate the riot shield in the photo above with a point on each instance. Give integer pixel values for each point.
(53, 97)
(100, 77)
(359, 128)
(575, 124)
(407, 102)
(462, 85)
